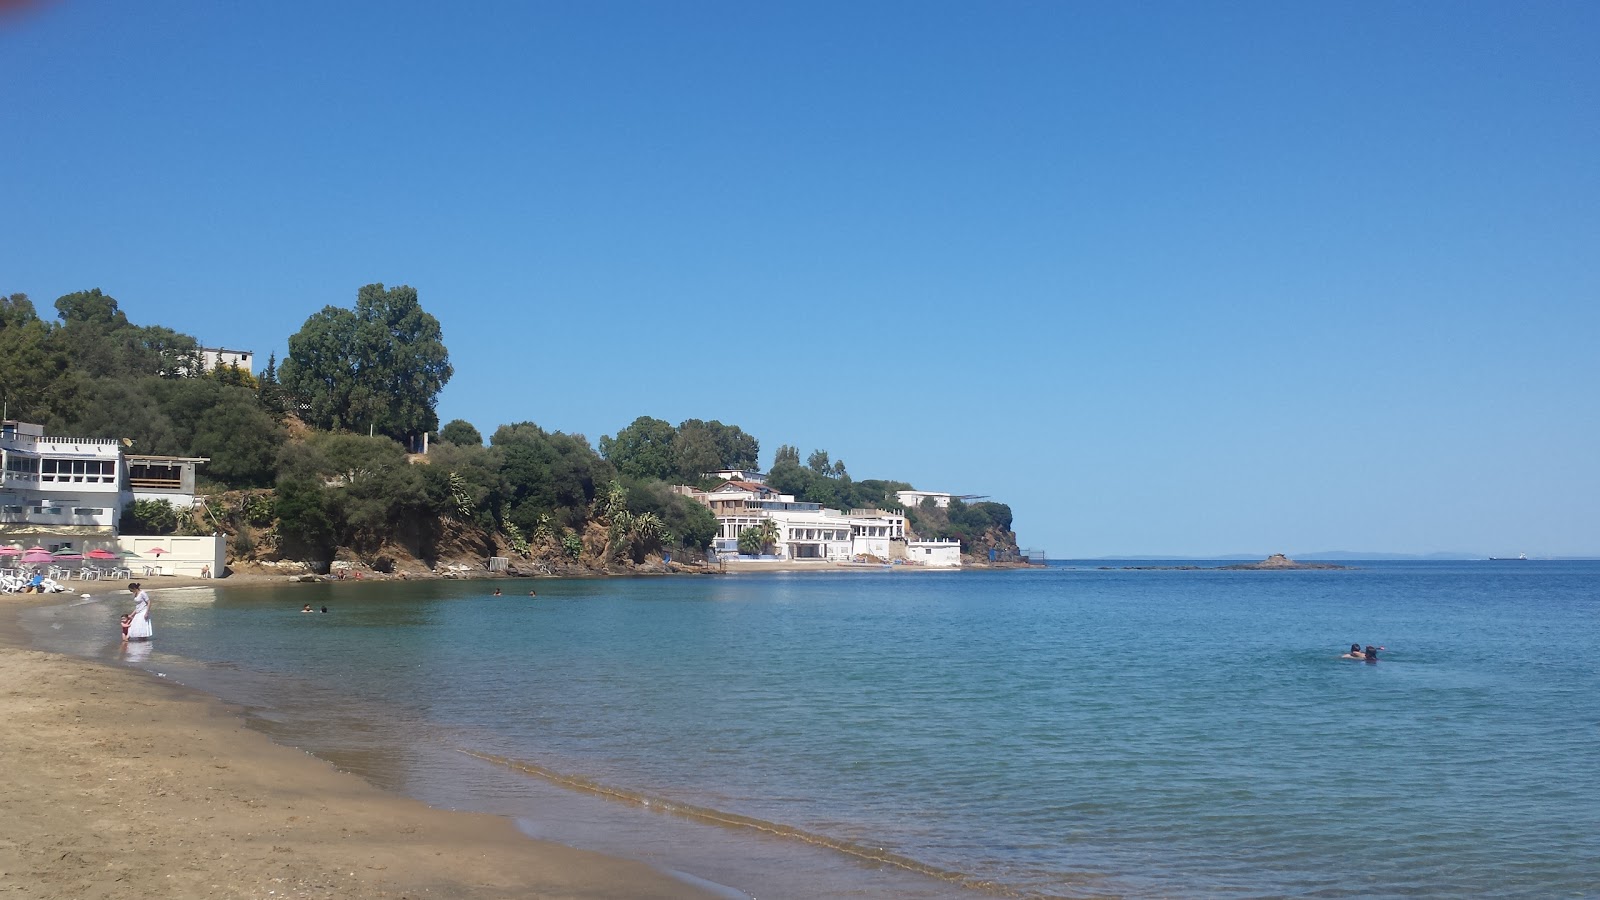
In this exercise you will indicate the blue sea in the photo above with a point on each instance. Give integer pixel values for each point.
(1067, 732)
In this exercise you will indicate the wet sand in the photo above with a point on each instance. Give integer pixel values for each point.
(117, 784)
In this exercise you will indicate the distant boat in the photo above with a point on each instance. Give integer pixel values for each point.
(1521, 556)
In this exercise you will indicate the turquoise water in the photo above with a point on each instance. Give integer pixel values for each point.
(1071, 732)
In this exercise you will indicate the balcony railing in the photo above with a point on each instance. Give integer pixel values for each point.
(156, 484)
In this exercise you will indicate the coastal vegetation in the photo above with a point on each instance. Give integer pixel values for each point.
(319, 457)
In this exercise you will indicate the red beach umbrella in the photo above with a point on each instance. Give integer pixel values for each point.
(157, 551)
(96, 553)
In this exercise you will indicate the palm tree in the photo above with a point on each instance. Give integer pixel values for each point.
(767, 534)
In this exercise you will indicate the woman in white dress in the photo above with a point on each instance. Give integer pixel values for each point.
(139, 628)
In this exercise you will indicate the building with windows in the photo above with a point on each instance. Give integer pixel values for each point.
(69, 493)
(804, 530)
(68, 486)
(169, 478)
(934, 554)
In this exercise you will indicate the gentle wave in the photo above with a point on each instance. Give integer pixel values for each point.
(735, 820)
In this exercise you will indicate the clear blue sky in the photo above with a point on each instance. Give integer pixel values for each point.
(1167, 278)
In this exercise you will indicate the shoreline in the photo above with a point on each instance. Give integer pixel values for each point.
(119, 784)
(737, 567)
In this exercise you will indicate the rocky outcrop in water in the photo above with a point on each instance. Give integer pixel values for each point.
(1279, 561)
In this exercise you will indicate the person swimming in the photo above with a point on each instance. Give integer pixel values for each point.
(1371, 654)
(1355, 653)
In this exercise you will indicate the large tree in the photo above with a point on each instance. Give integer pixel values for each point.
(37, 380)
(379, 367)
(643, 449)
(548, 473)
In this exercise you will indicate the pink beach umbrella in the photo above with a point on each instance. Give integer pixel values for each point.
(10, 550)
(157, 551)
(37, 556)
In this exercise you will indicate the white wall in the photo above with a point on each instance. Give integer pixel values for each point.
(186, 555)
(935, 554)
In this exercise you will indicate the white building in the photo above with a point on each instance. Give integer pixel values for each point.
(804, 530)
(58, 486)
(874, 532)
(910, 499)
(217, 357)
(934, 554)
(61, 492)
(747, 475)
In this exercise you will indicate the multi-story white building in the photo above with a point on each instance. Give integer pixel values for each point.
(64, 486)
(70, 491)
(804, 530)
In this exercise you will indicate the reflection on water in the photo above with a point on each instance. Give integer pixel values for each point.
(1070, 733)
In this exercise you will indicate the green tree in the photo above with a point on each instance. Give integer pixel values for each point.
(37, 380)
(695, 451)
(749, 542)
(461, 433)
(268, 388)
(104, 344)
(642, 450)
(234, 375)
(150, 517)
(476, 472)
(758, 539)
(548, 473)
(129, 409)
(379, 367)
(305, 511)
(687, 523)
(818, 462)
(224, 423)
(702, 447)
(90, 307)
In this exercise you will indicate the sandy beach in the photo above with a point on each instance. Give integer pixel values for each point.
(117, 784)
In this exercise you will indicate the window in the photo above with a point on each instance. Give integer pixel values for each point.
(25, 468)
(86, 511)
(78, 471)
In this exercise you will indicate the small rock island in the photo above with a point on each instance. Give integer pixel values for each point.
(1279, 561)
